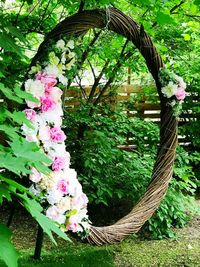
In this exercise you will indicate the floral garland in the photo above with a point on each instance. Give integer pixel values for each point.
(60, 189)
(173, 88)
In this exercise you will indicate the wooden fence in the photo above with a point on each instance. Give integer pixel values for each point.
(145, 104)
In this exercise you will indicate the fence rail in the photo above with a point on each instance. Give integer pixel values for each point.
(146, 105)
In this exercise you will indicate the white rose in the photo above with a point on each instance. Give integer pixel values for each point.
(170, 89)
(35, 87)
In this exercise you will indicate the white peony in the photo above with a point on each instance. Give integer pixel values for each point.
(170, 89)
(64, 204)
(35, 87)
(52, 116)
(54, 196)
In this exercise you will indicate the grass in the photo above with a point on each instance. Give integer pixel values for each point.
(132, 252)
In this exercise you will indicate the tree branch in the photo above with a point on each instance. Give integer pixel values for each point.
(97, 80)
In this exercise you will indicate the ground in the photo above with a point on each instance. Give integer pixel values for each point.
(132, 252)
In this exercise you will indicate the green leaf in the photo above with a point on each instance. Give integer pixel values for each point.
(19, 117)
(13, 164)
(9, 94)
(8, 43)
(187, 37)
(28, 150)
(197, 2)
(25, 95)
(163, 18)
(47, 225)
(14, 31)
(8, 252)
(4, 193)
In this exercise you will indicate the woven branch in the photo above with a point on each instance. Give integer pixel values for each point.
(79, 24)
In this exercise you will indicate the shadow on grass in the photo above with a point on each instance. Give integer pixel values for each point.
(88, 258)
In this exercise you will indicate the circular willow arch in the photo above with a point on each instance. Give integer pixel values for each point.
(116, 21)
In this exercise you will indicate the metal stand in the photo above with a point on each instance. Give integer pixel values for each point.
(38, 244)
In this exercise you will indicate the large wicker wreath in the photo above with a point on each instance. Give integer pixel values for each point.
(119, 23)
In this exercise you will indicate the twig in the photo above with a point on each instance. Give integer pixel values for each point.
(82, 3)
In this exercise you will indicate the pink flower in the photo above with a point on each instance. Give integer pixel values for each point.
(57, 135)
(30, 114)
(63, 186)
(58, 164)
(47, 103)
(48, 80)
(73, 224)
(54, 214)
(39, 75)
(55, 93)
(180, 93)
(80, 202)
(35, 176)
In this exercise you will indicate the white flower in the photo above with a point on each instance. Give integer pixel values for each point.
(63, 79)
(54, 214)
(64, 204)
(70, 44)
(52, 116)
(170, 89)
(55, 149)
(54, 70)
(35, 87)
(54, 196)
(60, 44)
(70, 64)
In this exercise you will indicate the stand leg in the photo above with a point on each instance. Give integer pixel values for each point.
(38, 245)
(11, 215)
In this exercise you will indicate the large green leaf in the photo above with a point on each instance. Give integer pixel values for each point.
(8, 252)
(9, 94)
(25, 95)
(8, 43)
(4, 193)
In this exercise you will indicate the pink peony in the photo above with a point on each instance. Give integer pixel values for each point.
(40, 75)
(63, 186)
(57, 135)
(47, 103)
(73, 224)
(31, 104)
(180, 93)
(35, 176)
(30, 114)
(48, 80)
(54, 214)
(58, 164)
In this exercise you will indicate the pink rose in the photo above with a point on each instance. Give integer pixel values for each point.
(30, 114)
(63, 186)
(35, 176)
(73, 224)
(47, 103)
(55, 93)
(180, 93)
(57, 135)
(58, 164)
